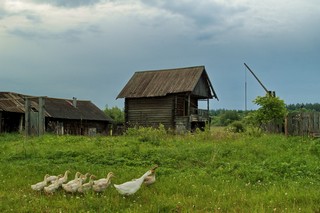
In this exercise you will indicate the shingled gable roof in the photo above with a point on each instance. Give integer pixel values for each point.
(54, 107)
(157, 83)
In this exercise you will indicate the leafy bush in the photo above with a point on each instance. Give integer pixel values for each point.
(237, 127)
(272, 111)
(229, 117)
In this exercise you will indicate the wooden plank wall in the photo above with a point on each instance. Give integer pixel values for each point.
(202, 88)
(150, 111)
(303, 123)
(181, 105)
(76, 127)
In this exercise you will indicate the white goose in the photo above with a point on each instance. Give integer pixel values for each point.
(76, 177)
(53, 178)
(74, 186)
(103, 183)
(109, 175)
(84, 177)
(63, 179)
(39, 186)
(131, 187)
(150, 179)
(52, 187)
(86, 186)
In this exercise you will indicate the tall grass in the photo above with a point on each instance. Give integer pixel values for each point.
(211, 171)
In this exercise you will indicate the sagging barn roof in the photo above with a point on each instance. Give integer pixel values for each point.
(65, 109)
(156, 83)
(12, 102)
(54, 107)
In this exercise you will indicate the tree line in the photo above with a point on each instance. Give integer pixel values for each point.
(304, 107)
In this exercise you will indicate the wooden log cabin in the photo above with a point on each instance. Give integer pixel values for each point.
(169, 97)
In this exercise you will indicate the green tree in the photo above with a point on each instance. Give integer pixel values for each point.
(115, 113)
(272, 111)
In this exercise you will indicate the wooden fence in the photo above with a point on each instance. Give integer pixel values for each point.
(303, 124)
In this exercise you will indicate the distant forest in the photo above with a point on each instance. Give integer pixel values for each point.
(304, 107)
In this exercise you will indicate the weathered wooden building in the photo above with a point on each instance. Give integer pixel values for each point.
(76, 117)
(37, 115)
(11, 112)
(169, 97)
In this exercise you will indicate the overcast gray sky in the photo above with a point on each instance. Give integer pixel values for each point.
(89, 49)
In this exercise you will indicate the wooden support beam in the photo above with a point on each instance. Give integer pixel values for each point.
(27, 116)
(0, 122)
(41, 122)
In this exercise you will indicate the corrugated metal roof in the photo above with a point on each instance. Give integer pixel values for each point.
(54, 107)
(157, 83)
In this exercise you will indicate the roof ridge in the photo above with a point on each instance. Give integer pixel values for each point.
(65, 99)
(170, 69)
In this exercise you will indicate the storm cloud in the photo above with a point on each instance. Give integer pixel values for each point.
(63, 48)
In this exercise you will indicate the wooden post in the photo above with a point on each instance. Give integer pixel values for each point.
(126, 114)
(41, 122)
(286, 126)
(208, 116)
(175, 112)
(189, 105)
(20, 124)
(0, 122)
(189, 112)
(27, 116)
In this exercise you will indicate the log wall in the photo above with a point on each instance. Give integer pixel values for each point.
(150, 111)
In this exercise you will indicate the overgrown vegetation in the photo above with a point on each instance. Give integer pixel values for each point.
(271, 111)
(225, 117)
(210, 171)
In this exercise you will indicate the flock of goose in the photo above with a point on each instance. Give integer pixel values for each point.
(51, 183)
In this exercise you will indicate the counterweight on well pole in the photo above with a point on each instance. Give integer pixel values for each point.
(271, 93)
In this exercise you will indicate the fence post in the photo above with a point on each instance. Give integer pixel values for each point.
(286, 126)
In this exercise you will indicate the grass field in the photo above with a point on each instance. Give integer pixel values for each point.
(211, 171)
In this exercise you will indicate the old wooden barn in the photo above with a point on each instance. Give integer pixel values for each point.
(169, 97)
(11, 112)
(37, 115)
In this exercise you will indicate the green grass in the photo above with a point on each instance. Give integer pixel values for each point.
(206, 172)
